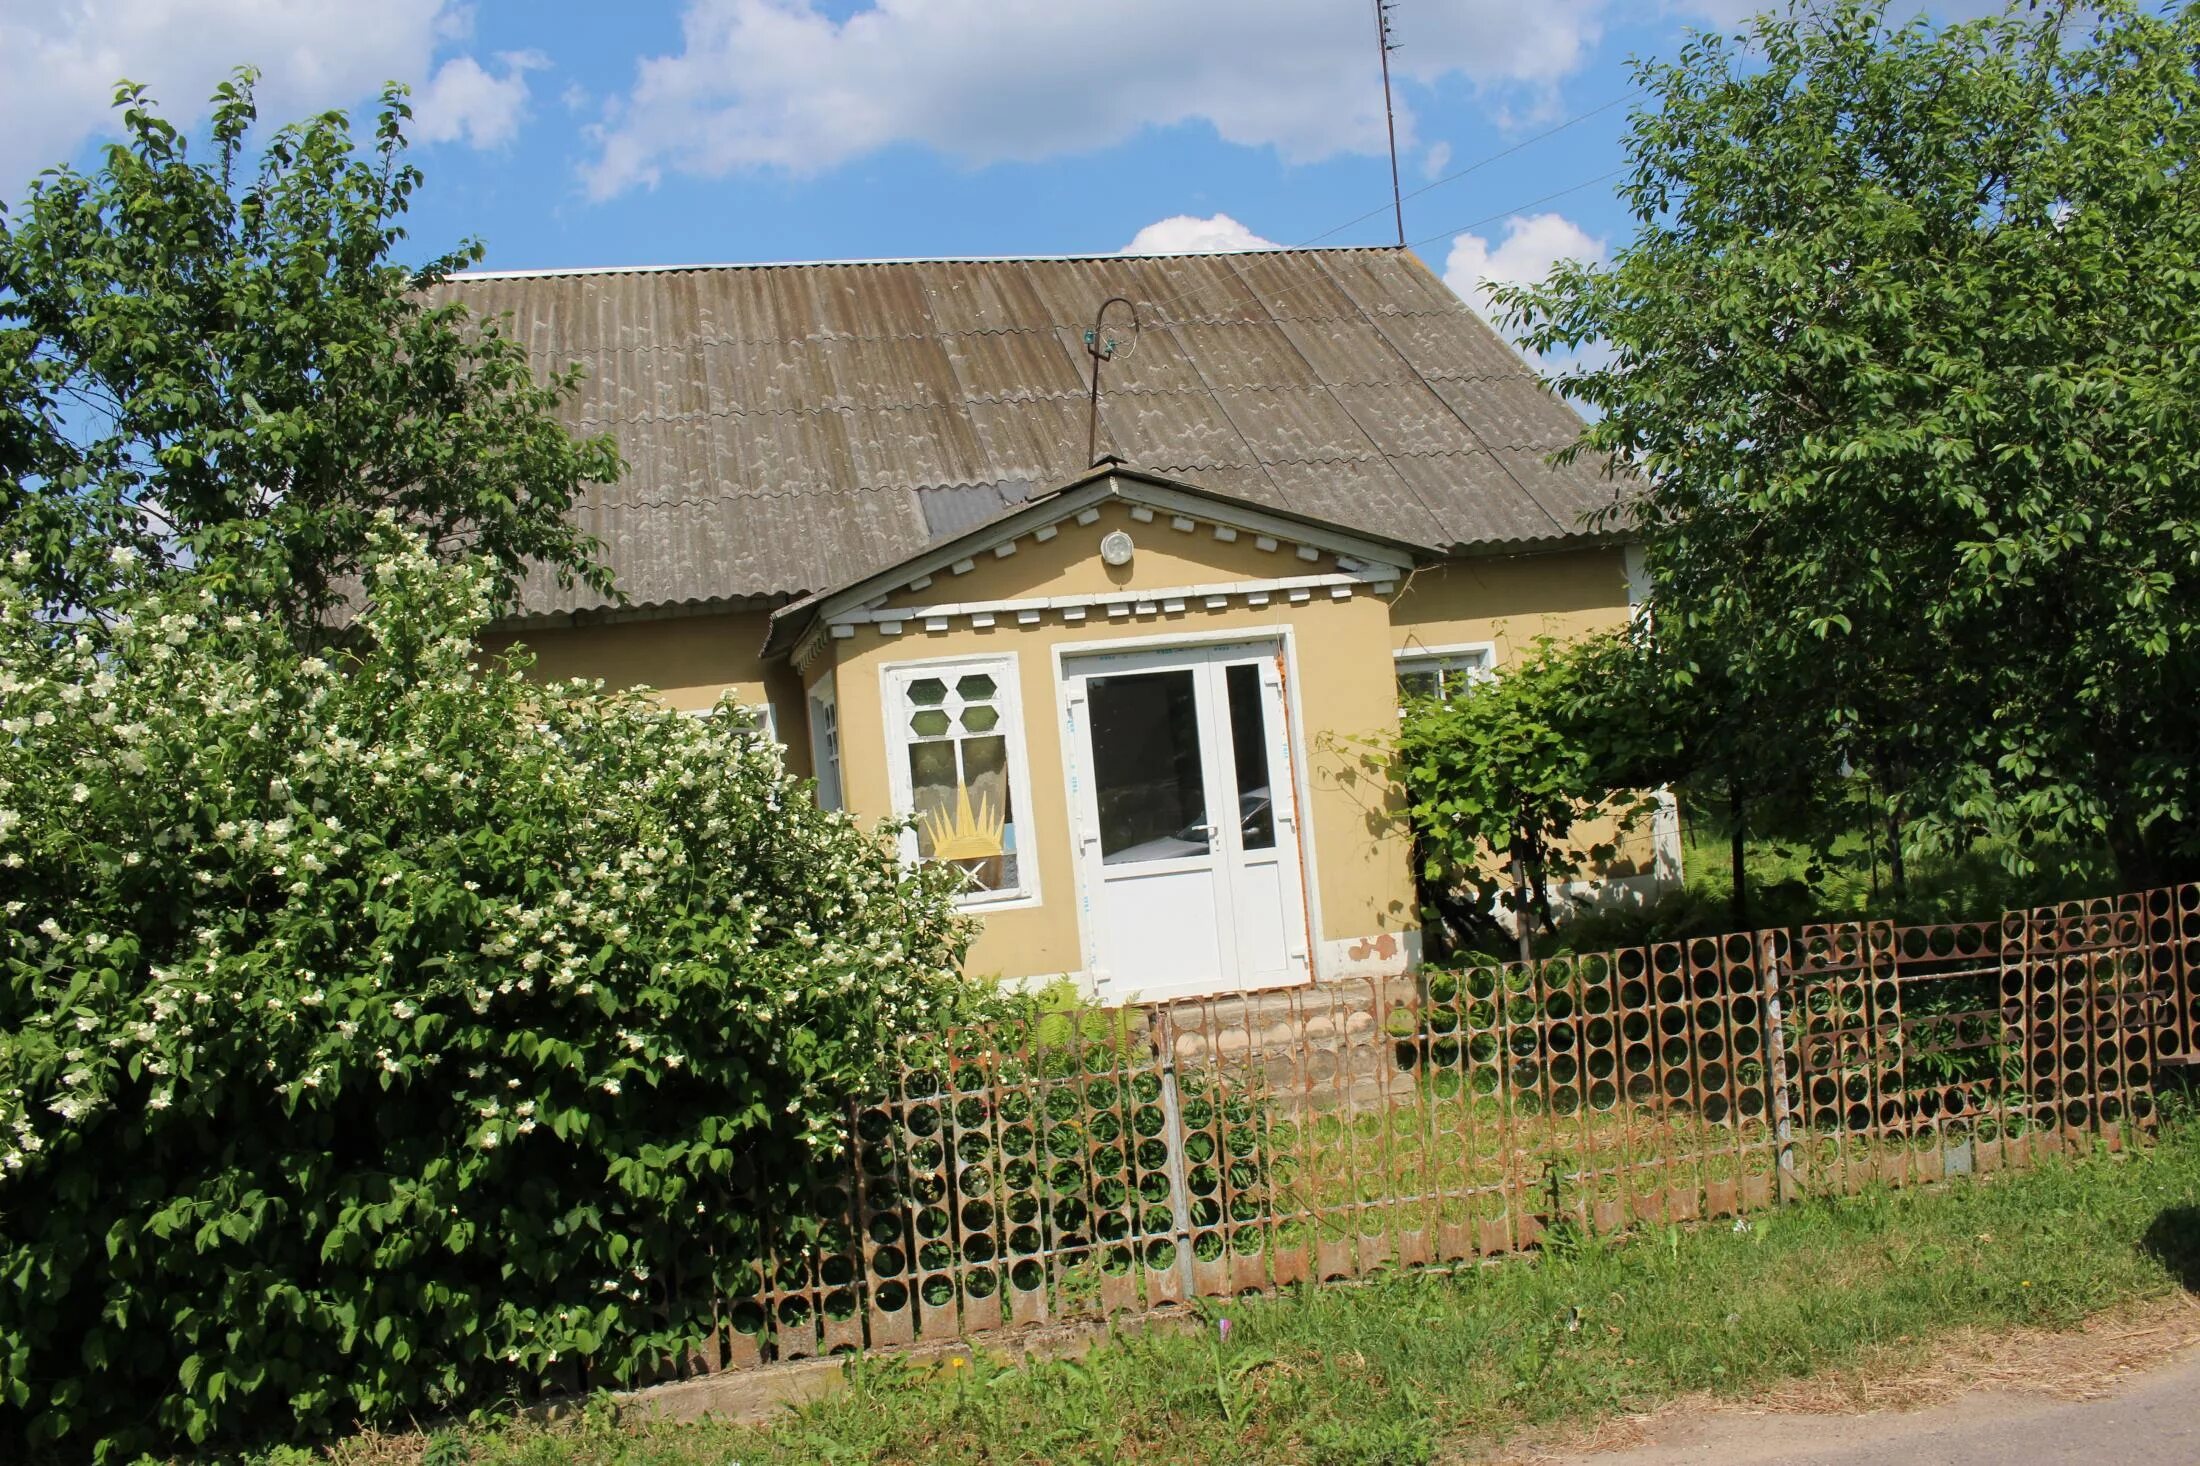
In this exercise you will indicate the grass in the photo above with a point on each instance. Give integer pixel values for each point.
(1419, 1366)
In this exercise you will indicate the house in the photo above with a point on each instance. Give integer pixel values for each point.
(1131, 702)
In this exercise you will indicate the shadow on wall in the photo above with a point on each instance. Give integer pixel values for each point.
(2173, 1240)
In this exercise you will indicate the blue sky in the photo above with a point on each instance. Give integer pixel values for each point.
(565, 134)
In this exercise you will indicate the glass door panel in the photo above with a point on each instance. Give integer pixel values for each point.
(1249, 740)
(1149, 780)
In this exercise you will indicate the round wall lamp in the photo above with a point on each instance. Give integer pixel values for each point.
(1116, 548)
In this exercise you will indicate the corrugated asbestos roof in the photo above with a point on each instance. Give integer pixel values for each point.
(792, 428)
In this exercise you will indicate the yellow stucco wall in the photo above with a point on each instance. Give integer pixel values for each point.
(690, 661)
(1361, 888)
(1511, 600)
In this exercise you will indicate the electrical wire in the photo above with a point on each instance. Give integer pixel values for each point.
(1518, 208)
(1476, 166)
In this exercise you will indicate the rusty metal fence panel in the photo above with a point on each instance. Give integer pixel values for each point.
(1087, 1165)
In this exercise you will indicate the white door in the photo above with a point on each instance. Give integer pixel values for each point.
(1187, 820)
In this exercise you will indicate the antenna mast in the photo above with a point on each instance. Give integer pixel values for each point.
(1390, 120)
(1103, 348)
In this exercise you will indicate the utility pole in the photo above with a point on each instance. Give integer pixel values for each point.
(1390, 118)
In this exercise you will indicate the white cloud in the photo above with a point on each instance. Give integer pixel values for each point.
(463, 99)
(1188, 234)
(1532, 245)
(1436, 159)
(782, 84)
(60, 59)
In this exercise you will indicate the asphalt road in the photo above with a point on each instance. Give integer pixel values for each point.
(2152, 1421)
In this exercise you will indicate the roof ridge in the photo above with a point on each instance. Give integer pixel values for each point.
(556, 271)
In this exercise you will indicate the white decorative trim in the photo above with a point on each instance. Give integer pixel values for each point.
(981, 620)
(1004, 549)
(1143, 497)
(922, 582)
(842, 630)
(1172, 607)
(806, 649)
(1224, 533)
(1182, 524)
(889, 628)
(1027, 618)
(1046, 532)
(1300, 588)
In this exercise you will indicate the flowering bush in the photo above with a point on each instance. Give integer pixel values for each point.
(385, 1033)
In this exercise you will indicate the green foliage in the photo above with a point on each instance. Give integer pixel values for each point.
(382, 1034)
(1499, 778)
(218, 362)
(1903, 352)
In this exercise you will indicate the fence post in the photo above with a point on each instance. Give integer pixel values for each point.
(1773, 1018)
(1172, 1140)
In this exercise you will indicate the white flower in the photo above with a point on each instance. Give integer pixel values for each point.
(611, 1086)
(79, 793)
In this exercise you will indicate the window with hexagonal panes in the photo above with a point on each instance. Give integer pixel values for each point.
(959, 771)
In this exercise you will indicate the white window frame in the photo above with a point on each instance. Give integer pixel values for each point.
(1478, 659)
(760, 712)
(894, 679)
(822, 707)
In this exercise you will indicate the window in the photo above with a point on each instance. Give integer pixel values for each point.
(956, 744)
(825, 741)
(752, 715)
(1443, 672)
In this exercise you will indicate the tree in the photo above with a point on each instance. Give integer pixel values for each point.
(379, 1030)
(1904, 353)
(1503, 777)
(221, 363)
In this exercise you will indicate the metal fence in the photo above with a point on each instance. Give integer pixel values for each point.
(1106, 1162)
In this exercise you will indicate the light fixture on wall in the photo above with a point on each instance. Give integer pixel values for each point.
(1116, 548)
